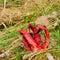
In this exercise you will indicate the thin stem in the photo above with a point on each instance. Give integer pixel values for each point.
(5, 3)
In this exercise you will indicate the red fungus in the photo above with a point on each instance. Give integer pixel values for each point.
(34, 42)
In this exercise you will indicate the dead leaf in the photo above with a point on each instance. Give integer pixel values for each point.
(43, 20)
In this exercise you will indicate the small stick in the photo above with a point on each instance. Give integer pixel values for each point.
(49, 56)
(4, 25)
(31, 55)
(5, 3)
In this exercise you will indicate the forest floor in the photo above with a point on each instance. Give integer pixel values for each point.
(13, 19)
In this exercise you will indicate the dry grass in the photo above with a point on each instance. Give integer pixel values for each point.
(27, 13)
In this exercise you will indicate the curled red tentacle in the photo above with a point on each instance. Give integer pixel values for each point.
(47, 37)
(37, 37)
(29, 39)
(26, 44)
(34, 42)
